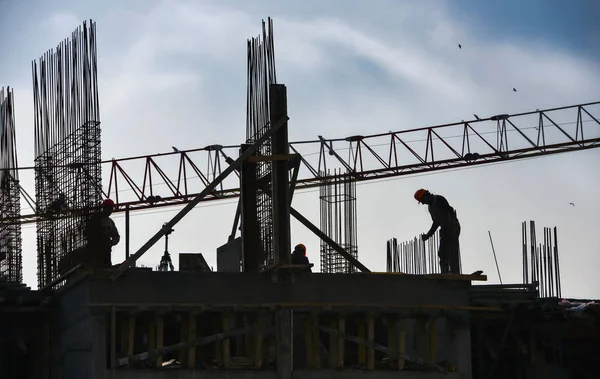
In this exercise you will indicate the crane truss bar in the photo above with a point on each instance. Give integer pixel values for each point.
(176, 178)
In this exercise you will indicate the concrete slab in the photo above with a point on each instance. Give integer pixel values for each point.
(238, 289)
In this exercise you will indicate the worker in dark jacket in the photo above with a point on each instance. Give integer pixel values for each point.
(444, 217)
(102, 234)
(299, 256)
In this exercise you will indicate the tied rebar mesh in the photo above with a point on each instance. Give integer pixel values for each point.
(261, 74)
(415, 256)
(11, 263)
(68, 180)
(338, 220)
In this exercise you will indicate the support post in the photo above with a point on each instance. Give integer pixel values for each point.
(225, 344)
(333, 343)
(160, 329)
(284, 343)
(113, 341)
(127, 231)
(280, 189)
(341, 342)
(362, 349)
(432, 339)
(371, 339)
(316, 341)
(308, 341)
(251, 246)
(131, 335)
(191, 336)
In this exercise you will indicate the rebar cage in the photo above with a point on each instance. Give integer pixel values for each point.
(68, 181)
(11, 260)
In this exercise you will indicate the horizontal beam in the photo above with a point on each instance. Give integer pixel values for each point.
(308, 307)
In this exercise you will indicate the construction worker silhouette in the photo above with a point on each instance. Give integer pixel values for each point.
(102, 234)
(299, 256)
(444, 217)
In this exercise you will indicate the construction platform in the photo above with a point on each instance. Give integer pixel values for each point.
(239, 325)
(150, 324)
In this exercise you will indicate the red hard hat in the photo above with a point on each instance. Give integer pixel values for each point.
(419, 194)
(108, 202)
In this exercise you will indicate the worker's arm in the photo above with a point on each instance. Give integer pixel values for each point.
(114, 234)
(434, 227)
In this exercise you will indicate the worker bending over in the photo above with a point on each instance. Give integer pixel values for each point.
(444, 217)
(102, 234)
(299, 256)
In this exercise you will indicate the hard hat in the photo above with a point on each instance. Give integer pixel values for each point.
(420, 193)
(108, 202)
(300, 247)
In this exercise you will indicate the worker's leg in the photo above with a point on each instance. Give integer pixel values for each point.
(443, 253)
(452, 238)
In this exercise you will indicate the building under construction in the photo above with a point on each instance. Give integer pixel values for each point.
(257, 315)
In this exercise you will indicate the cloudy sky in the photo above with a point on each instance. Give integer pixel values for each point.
(173, 73)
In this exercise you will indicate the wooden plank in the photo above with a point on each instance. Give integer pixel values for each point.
(297, 305)
(183, 345)
(479, 278)
(390, 352)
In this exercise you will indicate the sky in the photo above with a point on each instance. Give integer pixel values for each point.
(173, 73)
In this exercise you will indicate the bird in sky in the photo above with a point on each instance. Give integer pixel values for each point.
(459, 46)
(514, 90)
(572, 204)
(175, 149)
(476, 117)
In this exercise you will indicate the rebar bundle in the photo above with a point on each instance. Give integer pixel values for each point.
(261, 74)
(68, 178)
(414, 256)
(338, 221)
(540, 260)
(11, 264)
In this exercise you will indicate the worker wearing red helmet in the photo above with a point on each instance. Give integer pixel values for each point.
(444, 217)
(102, 234)
(299, 256)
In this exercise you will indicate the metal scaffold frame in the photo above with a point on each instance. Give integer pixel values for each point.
(68, 177)
(338, 221)
(11, 260)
